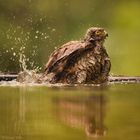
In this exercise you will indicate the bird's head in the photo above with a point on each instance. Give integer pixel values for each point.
(96, 34)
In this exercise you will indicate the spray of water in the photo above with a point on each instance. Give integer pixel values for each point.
(22, 61)
(22, 45)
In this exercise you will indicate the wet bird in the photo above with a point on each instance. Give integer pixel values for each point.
(80, 62)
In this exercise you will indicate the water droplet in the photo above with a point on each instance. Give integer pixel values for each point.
(53, 30)
(46, 37)
(41, 19)
(18, 39)
(14, 54)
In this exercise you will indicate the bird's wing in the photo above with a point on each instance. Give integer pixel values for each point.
(60, 55)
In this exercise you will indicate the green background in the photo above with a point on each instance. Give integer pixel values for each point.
(35, 27)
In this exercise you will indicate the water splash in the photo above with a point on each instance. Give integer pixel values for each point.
(22, 61)
(26, 75)
(23, 43)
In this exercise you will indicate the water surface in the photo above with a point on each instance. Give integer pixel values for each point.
(70, 113)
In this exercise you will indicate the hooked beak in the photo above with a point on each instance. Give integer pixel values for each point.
(91, 39)
(106, 34)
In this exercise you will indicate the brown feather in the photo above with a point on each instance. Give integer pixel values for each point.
(79, 62)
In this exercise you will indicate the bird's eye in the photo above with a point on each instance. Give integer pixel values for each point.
(98, 32)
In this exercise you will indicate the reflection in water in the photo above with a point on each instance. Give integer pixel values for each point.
(37, 113)
(12, 116)
(22, 110)
(83, 112)
(25, 113)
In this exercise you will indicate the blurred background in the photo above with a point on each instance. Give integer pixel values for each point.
(31, 29)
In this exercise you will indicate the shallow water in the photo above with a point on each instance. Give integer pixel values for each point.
(70, 113)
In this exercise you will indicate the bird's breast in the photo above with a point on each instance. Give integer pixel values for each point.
(86, 62)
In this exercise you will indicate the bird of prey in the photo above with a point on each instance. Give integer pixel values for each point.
(80, 62)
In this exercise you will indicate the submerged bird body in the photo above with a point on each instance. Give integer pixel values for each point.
(83, 61)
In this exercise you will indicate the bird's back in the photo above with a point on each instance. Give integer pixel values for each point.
(76, 62)
(62, 54)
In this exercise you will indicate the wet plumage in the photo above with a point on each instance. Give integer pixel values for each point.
(84, 61)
